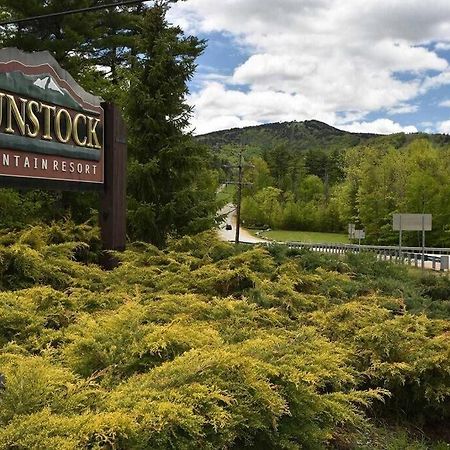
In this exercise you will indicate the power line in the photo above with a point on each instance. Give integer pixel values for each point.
(73, 11)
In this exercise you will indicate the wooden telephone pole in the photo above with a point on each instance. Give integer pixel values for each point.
(240, 184)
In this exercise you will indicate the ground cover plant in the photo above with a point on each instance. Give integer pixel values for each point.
(207, 346)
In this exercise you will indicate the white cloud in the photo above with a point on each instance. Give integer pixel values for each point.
(442, 46)
(330, 81)
(403, 109)
(320, 59)
(444, 127)
(445, 103)
(218, 107)
(379, 126)
(436, 81)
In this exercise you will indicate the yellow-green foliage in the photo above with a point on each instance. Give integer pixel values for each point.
(204, 346)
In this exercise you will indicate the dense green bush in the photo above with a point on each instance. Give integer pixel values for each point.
(209, 346)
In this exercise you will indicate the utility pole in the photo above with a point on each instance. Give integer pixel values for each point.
(239, 200)
(240, 184)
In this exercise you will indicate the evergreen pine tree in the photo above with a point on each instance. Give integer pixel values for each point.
(66, 37)
(82, 42)
(171, 188)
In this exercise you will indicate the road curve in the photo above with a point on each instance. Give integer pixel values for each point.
(229, 211)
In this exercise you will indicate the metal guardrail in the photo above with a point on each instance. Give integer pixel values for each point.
(439, 257)
(372, 248)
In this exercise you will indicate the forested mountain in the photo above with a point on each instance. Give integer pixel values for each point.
(307, 135)
(304, 136)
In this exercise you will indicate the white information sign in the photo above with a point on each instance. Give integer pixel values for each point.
(412, 222)
(359, 234)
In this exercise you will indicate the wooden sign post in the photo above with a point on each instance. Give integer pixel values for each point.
(55, 135)
(113, 203)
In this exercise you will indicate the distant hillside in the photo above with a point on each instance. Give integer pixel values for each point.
(308, 135)
(304, 136)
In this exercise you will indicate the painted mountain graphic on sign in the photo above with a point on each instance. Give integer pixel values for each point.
(40, 87)
(48, 83)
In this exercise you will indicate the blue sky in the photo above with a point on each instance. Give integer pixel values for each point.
(361, 65)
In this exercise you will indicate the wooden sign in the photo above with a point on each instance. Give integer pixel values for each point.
(55, 135)
(51, 130)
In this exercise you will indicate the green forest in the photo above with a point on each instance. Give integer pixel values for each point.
(312, 177)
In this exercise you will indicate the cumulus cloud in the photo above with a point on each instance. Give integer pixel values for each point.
(445, 103)
(436, 81)
(255, 107)
(217, 107)
(379, 126)
(444, 127)
(403, 109)
(442, 46)
(321, 59)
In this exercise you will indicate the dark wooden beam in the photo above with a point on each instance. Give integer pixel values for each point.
(113, 203)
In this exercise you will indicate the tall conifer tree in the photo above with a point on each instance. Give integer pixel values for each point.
(172, 189)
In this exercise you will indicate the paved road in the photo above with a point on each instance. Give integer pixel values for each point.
(229, 235)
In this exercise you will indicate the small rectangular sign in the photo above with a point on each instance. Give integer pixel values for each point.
(412, 222)
(351, 230)
(359, 234)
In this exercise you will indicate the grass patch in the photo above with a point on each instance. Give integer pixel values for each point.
(305, 236)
